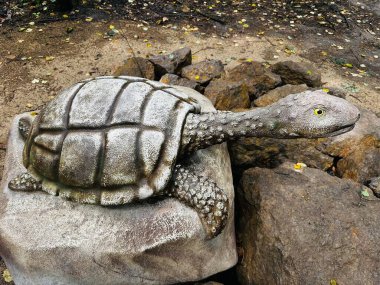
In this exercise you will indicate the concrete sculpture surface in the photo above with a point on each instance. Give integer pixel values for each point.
(126, 143)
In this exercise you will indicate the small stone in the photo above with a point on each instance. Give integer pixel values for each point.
(171, 63)
(256, 77)
(172, 79)
(228, 95)
(204, 71)
(276, 94)
(136, 66)
(297, 73)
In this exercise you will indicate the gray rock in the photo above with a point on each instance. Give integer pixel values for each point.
(228, 95)
(306, 228)
(374, 185)
(204, 71)
(172, 79)
(257, 78)
(47, 240)
(297, 73)
(171, 63)
(280, 92)
(136, 66)
(352, 155)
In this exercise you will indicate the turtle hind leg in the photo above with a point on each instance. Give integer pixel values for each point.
(204, 196)
(24, 182)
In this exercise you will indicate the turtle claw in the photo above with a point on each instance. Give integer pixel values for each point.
(24, 182)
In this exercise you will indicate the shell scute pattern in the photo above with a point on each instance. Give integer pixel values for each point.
(108, 140)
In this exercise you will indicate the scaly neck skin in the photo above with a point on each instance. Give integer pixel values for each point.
(203, 130)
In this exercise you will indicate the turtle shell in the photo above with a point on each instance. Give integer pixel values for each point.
(108, 140)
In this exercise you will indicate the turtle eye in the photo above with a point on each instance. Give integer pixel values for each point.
(319, 112)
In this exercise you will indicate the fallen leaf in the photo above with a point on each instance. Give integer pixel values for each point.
(7, 276)
(364, 193)
(49, 58)
(299, 166)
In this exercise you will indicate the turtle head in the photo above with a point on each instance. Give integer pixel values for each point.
(311, 114)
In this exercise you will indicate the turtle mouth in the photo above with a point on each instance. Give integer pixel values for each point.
(342, 130)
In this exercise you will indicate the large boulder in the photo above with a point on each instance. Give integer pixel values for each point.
(136, 66)
(257, 78)
(171, 63)
(46, 240)
(306, 228)
(228, 95)
(292, 72)
(203, 72)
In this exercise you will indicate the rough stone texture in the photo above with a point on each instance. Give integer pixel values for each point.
(204, 71)
(136, 66)
(171, 63)
(297, 73)
(359, 150)
(47, 240)
(306, 228)
(257, 78)
(228, 95)
(353, 155)
(374, 184)
(172, 79)
(276, 94)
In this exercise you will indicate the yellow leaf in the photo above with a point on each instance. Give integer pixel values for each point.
(64, 16)
(349, 65)
(246, 26)
(299, 166)
(7, 276)
(326, 90)
(324, 53)
(112, 27)
(333, 282)
(149, 45)
(309, 72)
(197, 77)
(49, 58)
(34, 113)
(249, 60)
(88, 19)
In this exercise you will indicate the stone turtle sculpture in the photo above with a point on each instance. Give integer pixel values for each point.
(116, 140)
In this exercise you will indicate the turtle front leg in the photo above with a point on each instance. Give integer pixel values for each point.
(204, 196)
(24, 182)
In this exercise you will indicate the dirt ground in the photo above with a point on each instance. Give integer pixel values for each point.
(41, 55)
